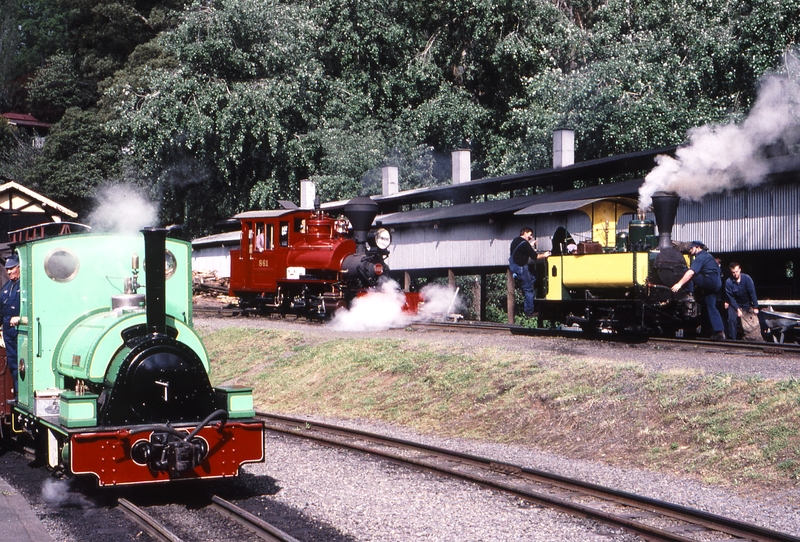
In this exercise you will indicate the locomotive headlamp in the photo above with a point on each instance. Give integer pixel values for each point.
(380, 238)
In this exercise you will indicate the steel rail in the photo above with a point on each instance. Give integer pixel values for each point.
(300, 428)
(150, 524)
(751, 346)
(261, 528)
(627, 337)
(160, 532)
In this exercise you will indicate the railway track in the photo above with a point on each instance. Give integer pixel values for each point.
(752, 347)
(160, 531)
(649, 518)
(764, 348)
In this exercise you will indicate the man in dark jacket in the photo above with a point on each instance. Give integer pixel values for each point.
(9, 303)
(704, 273)
(741, 300)
(523, 253)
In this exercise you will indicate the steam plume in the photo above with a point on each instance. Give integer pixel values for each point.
(729, 156)
(375, 311)
(383, 309)
(122, 209)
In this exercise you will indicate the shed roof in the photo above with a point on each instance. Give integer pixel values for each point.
(550, 202)
(229, 238)
(274, 213)
(22, 119)
(564, 206)
(560, 179)
(15, 197)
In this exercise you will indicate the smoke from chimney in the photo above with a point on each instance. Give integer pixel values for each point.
(730, 156)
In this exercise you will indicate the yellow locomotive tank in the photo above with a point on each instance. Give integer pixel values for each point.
(594, 271)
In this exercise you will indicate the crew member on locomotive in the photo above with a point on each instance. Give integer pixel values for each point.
(703, 276)
(523, 253)
(9, 303)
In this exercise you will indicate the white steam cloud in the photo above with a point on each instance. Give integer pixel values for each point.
(58, 493)
(725, 157)
(382, 309)
(122, 209)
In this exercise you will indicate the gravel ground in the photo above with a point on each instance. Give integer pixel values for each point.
(369, 499)
(321, 494)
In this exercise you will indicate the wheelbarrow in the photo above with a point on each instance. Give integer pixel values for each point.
(783, 326)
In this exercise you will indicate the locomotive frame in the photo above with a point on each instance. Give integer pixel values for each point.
(114, 383)
(624, 286)
(304, 262)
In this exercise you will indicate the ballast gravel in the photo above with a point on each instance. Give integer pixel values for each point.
(365, 498)
(371, 499)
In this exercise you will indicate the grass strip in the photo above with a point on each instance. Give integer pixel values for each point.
(721, 428)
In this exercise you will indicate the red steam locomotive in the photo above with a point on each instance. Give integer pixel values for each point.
(304, 262)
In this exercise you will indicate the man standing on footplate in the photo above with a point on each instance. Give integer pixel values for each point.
(705, 279)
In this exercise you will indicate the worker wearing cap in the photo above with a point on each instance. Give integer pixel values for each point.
(522, 253)
(704, 274)
(9, 303)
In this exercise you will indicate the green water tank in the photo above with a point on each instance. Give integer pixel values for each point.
(639, 230)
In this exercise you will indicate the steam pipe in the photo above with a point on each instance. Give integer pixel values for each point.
(155, 246)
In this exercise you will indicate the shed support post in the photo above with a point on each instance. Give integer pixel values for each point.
(406, 281)
(451, 278)
(482, 315)
(476, 297)
(510, 300)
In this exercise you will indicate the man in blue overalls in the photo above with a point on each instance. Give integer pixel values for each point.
(9, 303)
(522, 253)
(705, 276)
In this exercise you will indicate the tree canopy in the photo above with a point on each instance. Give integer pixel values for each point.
(225, 105)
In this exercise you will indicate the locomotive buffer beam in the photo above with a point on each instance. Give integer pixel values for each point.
(172, 451)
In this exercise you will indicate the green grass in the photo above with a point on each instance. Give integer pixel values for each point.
(720, 427)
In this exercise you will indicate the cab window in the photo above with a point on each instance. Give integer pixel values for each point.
(265, 238)
(284, 234)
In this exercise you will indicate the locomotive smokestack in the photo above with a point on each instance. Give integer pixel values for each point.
(361, 211)
(665, 207)
(155, 247)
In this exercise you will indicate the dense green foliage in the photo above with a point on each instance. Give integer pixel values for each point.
(225, 105)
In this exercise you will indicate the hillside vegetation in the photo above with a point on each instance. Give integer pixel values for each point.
(216, 106)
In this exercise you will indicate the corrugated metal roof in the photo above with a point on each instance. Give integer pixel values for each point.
(558, 178)
(227, 238)
(544, 203)
(456, 212)
(562, 206)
